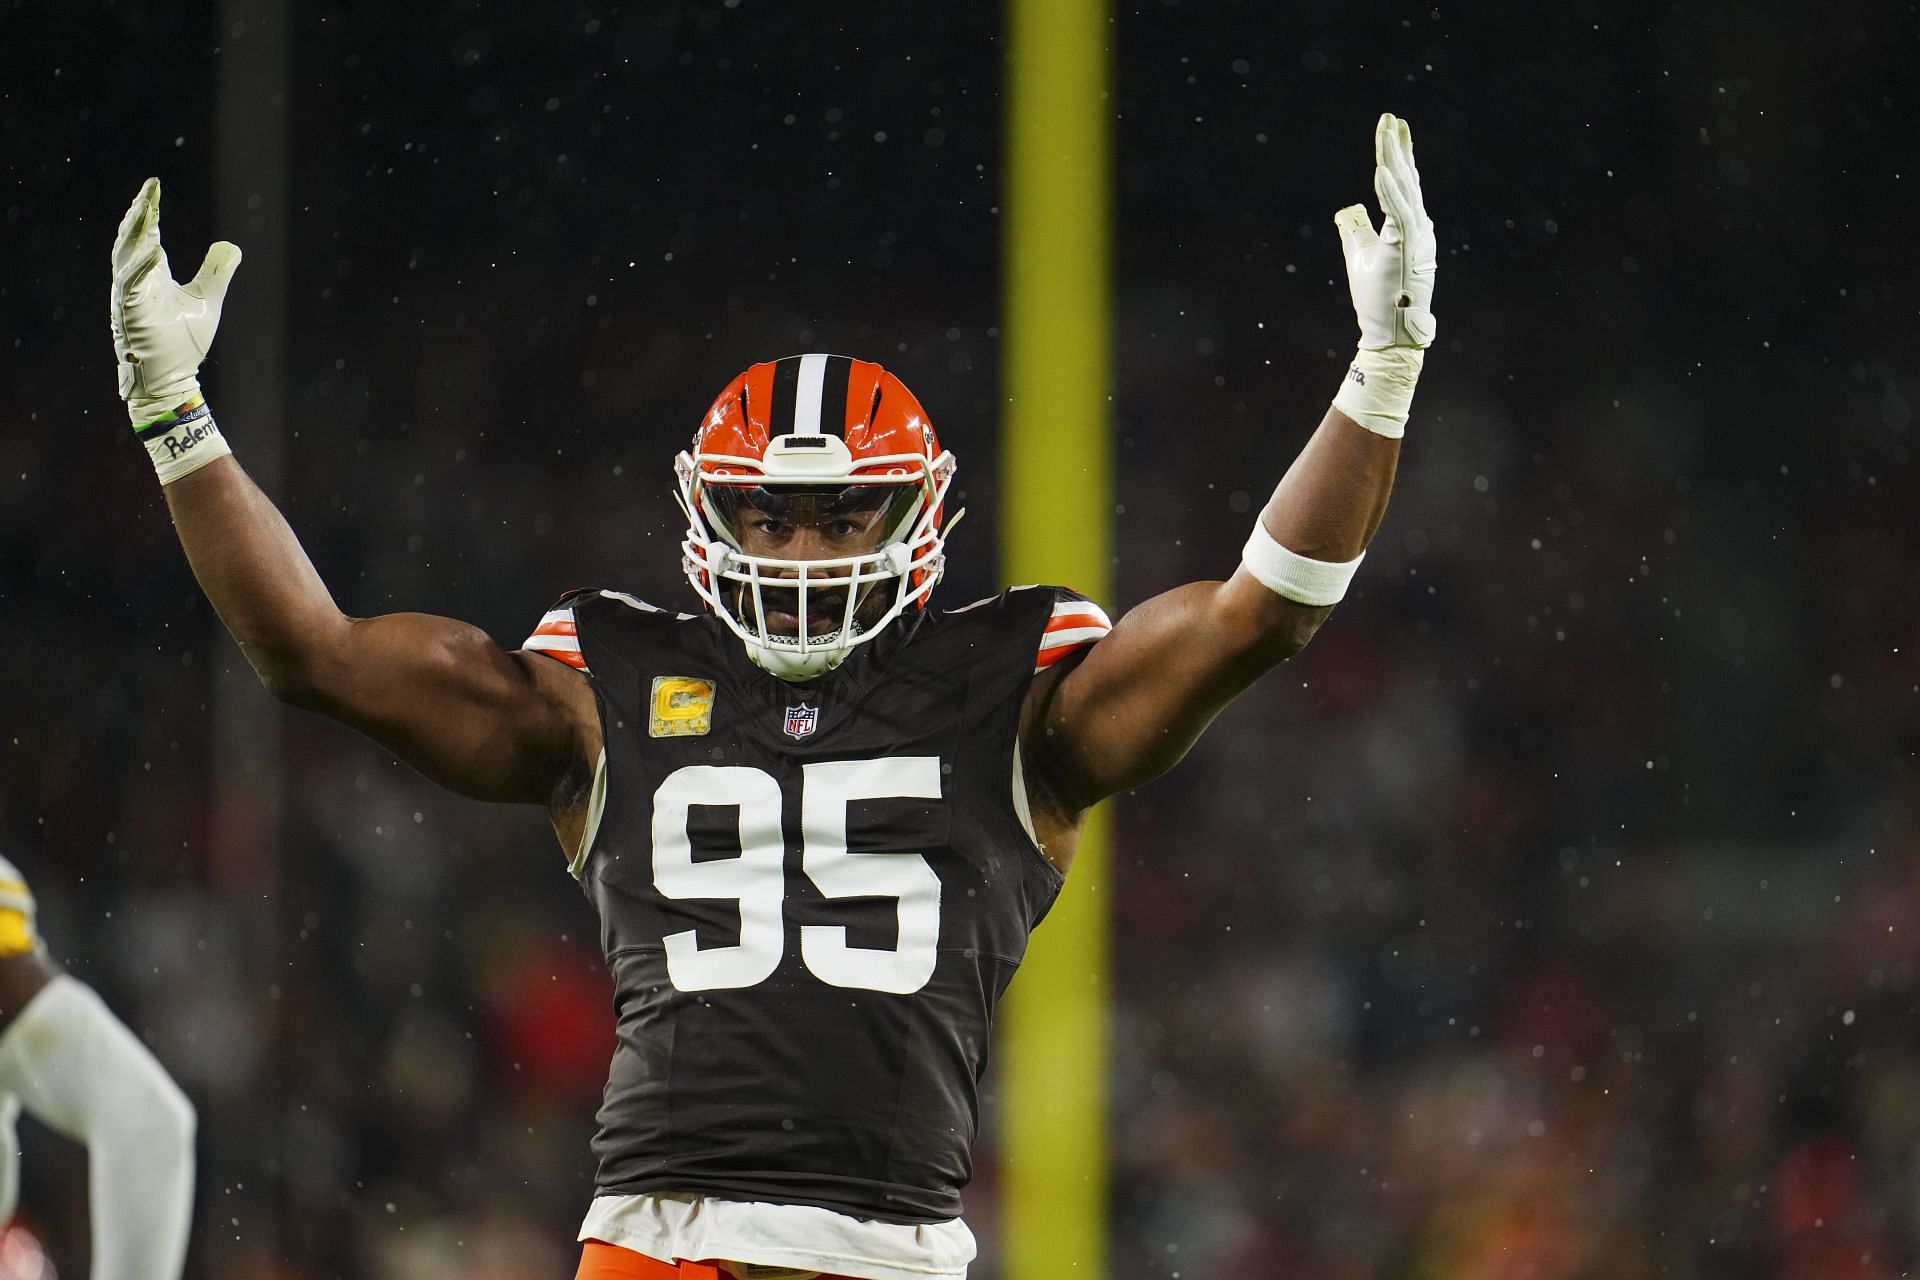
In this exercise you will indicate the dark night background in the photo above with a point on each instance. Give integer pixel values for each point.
(1554, 915)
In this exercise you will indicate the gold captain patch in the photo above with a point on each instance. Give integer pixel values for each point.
(681, 707)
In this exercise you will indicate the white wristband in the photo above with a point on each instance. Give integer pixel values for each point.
(1377, 392)
(1309, 582)
(183, 441)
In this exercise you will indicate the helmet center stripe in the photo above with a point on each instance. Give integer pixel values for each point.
(807, 395)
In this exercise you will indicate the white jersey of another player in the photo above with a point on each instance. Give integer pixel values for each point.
(75, 1067)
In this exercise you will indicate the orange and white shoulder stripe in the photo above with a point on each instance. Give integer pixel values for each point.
(1075, 624)
(559, 638)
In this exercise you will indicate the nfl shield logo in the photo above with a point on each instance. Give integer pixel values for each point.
(801, 720)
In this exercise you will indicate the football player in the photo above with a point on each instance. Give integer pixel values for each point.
(819, 818)
(77, 1069)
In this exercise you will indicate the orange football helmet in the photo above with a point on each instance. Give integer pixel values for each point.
(812, 436)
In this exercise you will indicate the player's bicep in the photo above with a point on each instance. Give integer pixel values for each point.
(1130, 708)
(450, 701)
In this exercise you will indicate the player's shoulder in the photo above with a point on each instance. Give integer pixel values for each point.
(1058, 621)
(599, 610)
(599, 603)
(1032, 598)
(1035, 600)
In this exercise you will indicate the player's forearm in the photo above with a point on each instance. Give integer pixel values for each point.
(255, 574)
(1324, 511)
(1309, 541)
(246, 558)
(1333, 497)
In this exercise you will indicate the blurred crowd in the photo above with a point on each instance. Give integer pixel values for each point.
(1494, 936)
(1552, 915)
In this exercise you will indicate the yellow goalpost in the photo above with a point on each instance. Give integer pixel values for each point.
(1057, 505)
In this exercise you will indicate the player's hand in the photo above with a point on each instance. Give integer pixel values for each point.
(1391, 271)
(161, 329)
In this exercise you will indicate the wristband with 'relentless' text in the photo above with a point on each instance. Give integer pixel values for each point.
(183, 440)
(1310, 582)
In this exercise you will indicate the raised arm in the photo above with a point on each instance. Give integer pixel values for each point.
(1130, 709)
(438, 693)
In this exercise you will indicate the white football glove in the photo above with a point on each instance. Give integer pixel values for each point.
(161, 329)
(1390, 274)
